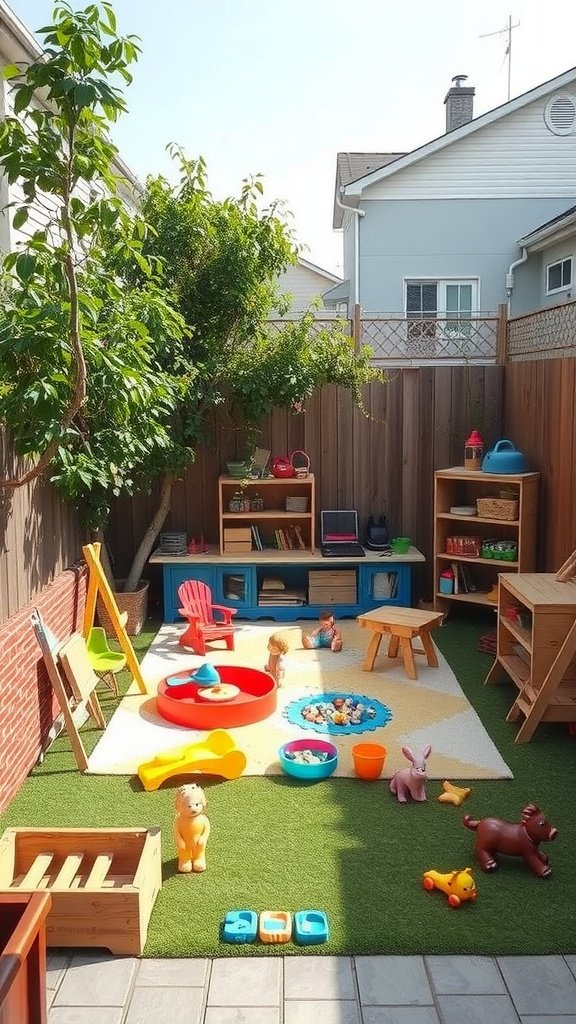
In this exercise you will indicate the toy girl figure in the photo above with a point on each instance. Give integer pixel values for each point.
(325, 635)
(275, 666)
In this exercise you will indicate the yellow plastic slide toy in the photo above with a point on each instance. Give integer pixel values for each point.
(215, 755)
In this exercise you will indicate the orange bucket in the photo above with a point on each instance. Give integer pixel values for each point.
(369, 760)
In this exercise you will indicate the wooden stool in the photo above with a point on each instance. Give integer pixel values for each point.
(402, 624)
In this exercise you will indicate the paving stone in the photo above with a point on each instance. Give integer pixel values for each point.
(182, 972)
(477, 1010)
(459, 975)
(529, 1019)
(241, 981)
(393, 981)
(539, 984)
(86, 1015)
(400, 1015)
(56, 964)
(96, 980)
(326, 1011)
(166, 1006)
(242, 1015)
(571, 961)
(318, 977)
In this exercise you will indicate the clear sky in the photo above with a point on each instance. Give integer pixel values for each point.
(281, 86)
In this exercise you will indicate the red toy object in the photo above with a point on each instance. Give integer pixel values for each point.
(197, 546)
(183, 704)
(282, 467)
(516, 840)
(196, 606)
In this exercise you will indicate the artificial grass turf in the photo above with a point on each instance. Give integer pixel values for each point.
(344, 846)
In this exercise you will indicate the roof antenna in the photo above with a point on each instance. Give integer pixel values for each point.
(508, 52)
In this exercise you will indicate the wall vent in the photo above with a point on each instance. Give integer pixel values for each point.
(560, 114)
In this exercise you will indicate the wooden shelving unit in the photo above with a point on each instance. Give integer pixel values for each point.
(272, 517)
(537, 648)
(459, 487)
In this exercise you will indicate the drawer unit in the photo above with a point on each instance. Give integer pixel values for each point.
(237, 539)
(332, 586)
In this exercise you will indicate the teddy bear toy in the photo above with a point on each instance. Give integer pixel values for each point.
(191, 828)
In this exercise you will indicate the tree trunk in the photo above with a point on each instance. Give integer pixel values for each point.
(147, 542)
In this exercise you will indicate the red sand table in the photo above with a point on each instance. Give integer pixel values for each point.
(182, 705)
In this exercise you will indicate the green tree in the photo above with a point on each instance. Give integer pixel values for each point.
(223, 259)
(85, 313)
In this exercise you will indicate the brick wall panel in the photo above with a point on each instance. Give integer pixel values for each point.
(28, 706)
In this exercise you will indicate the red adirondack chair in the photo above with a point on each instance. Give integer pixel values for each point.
(196, 606)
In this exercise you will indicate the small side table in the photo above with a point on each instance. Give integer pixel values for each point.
(402, 625)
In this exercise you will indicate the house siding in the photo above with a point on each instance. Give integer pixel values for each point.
(514, 156)
(442, 238)
(304, 285)
(530, 278)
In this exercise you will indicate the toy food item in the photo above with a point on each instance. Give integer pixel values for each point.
(453, 794)
(515, 839)
(220, 692)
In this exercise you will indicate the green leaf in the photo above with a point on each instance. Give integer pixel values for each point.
(12, 71)
(20, 217)
(25, 266)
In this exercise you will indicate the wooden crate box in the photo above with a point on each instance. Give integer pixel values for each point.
(103, 881)
(332, 586)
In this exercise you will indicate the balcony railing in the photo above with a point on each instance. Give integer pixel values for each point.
(398, 340)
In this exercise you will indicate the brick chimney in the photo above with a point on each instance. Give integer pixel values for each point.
(459, 102)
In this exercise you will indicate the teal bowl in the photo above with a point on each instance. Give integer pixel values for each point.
(309, 772)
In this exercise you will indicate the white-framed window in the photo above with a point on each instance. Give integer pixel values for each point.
(452, 301)
(559, 275)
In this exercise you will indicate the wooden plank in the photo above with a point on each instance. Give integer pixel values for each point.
(36, 871)
(98, 871)
(68, 871)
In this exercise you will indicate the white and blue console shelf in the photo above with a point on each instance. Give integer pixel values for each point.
(290, 585)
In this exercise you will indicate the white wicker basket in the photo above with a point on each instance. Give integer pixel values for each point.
(297, 504)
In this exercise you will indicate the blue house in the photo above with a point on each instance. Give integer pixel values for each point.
(442, 231)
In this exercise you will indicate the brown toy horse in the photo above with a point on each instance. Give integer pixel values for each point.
(516, 840)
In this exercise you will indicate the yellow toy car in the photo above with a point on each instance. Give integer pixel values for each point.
(458, 885)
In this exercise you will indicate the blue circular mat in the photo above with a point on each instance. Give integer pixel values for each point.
(383, 714)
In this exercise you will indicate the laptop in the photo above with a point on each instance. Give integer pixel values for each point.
(339, 534)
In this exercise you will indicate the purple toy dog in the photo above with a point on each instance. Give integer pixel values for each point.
(411, 781)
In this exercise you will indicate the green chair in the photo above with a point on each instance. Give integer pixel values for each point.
(105, 662)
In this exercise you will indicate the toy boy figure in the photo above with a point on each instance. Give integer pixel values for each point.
(275, 666)
(325, 635)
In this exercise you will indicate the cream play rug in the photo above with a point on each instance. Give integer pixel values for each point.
(431, 709)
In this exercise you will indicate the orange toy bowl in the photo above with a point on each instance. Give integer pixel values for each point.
(368, 760)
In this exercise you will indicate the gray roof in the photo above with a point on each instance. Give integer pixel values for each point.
(548, 227)
(351, 166)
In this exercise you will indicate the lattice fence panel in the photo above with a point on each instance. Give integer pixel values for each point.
(545, 334)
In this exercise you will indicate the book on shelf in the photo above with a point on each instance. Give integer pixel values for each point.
(273, 583)
(454, 567)
(466, 578)
(256, 538)
(298, 532)
(281, 597)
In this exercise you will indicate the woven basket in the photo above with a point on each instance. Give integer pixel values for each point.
(134, 603)
(497, 508)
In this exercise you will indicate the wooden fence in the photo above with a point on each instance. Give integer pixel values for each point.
(39, 536)
(379, 462)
